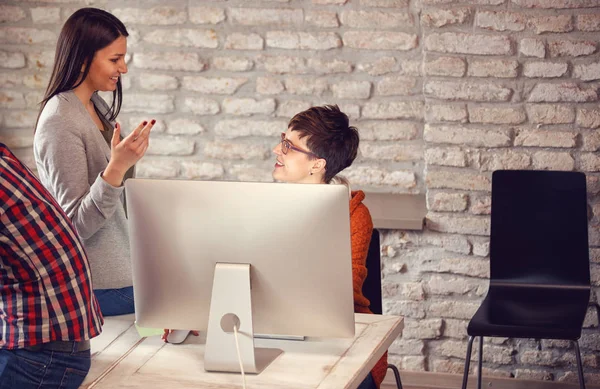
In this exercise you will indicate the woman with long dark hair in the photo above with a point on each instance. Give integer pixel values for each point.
(80, 154)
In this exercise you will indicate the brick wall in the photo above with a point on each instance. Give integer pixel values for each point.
(443, 92)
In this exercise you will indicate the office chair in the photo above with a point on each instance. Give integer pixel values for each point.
(539, 261)
(372, 287)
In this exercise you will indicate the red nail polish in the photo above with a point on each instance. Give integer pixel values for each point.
(144, 123)
(153, 121)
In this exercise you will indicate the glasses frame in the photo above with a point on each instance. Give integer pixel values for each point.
(286, 146)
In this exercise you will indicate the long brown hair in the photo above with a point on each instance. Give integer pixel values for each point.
(84, 33)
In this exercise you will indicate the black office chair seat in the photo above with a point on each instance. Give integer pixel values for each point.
(529, 312)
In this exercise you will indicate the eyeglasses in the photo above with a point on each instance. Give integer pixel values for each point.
(286, 146)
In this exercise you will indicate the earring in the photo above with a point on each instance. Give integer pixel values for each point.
(311, 173)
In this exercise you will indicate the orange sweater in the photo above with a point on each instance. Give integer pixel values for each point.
(361, 226)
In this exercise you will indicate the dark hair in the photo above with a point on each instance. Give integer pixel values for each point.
(84, 33)
(329, 136)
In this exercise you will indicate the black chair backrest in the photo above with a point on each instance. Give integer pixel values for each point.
(372, 285)
(539, 228)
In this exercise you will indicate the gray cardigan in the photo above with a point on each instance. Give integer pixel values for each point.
(70, 154)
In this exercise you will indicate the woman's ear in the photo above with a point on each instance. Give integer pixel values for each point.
(318, 166)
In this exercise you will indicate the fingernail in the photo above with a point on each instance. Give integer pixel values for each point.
(144, 123)
(153, 121)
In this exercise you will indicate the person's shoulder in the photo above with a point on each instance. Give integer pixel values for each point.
(359, 213)
(60, 114)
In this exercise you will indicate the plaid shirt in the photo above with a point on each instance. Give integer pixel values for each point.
(45, 281)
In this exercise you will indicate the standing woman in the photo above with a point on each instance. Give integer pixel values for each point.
(80, 154)
(318, 144)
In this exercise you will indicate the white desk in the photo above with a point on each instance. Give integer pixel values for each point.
(314, 363)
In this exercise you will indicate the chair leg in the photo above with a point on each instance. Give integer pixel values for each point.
(579, 365)
(467, 362)
(396, 375)
(480, 372)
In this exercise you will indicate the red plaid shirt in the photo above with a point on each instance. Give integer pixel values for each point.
(45, 281)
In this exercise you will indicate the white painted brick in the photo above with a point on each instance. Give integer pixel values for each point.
(391, 152)
(237, 151)
(500, 20)
(172, 61)
(590, 162)
(200, 106)
(380, 40)
(32, 99)
(240, 41)
(27, 36)
(501, 68)
(149, 103)
(422, 329)
(323, 66)
(456, 180)
(529, 374)
(534, 138)
(377, 19)
(505, 160)
(11, 100)
(545, 69)
(7, 80)
(230, 129)
(458, 90)
(553, 161)
(324, 19)
(171, 145)
(40, 60)
(351, 89)
(206, 15)
(446, 113)
(44, 15)
(396, 86)
(10, 13)
(591, 142)
(481, 205)
(531, 47)
(571, 48)
(404, 347)
(248, 106)
(388, 130)
(462, 43)
(568, 92)
(394, 110)
(445, 66)
(445, 17)
(326, 2)
(445, 286)
(283, 64)
(587, 72)
(380, 66)
(384, 3)
(289, 108)
(233, 64)
(411, 309)
(551, 23)
(446, 157)
(556, 3)
(12, 60)
(588, 117)
(371, 176)
(306, 86)
(20, 119)
(453, 309)
(210, 85)
(204, 39)
(447, 202)
(185, 127)
(303, 40)
(453, 223)
(201, 170)
(266, 17)
(151, 16)
(158, 82)
(269, 86)
(496, 115)
(588, 22)
(162, 168)
(550, 113)
(250, 173)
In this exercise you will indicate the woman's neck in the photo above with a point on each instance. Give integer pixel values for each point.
(84, 93)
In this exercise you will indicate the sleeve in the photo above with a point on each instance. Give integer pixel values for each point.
(60, 154)
(361, 226)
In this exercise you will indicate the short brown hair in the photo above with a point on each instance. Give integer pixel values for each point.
(329, 136)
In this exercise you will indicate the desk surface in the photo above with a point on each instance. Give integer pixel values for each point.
(121, 359)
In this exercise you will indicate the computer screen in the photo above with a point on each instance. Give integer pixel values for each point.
(295, 238)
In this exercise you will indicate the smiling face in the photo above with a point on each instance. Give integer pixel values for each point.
(107, 66)
(296, 166)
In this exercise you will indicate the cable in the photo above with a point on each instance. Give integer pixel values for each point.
(237, 347)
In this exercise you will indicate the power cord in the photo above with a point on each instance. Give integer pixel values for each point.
(237, 347)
